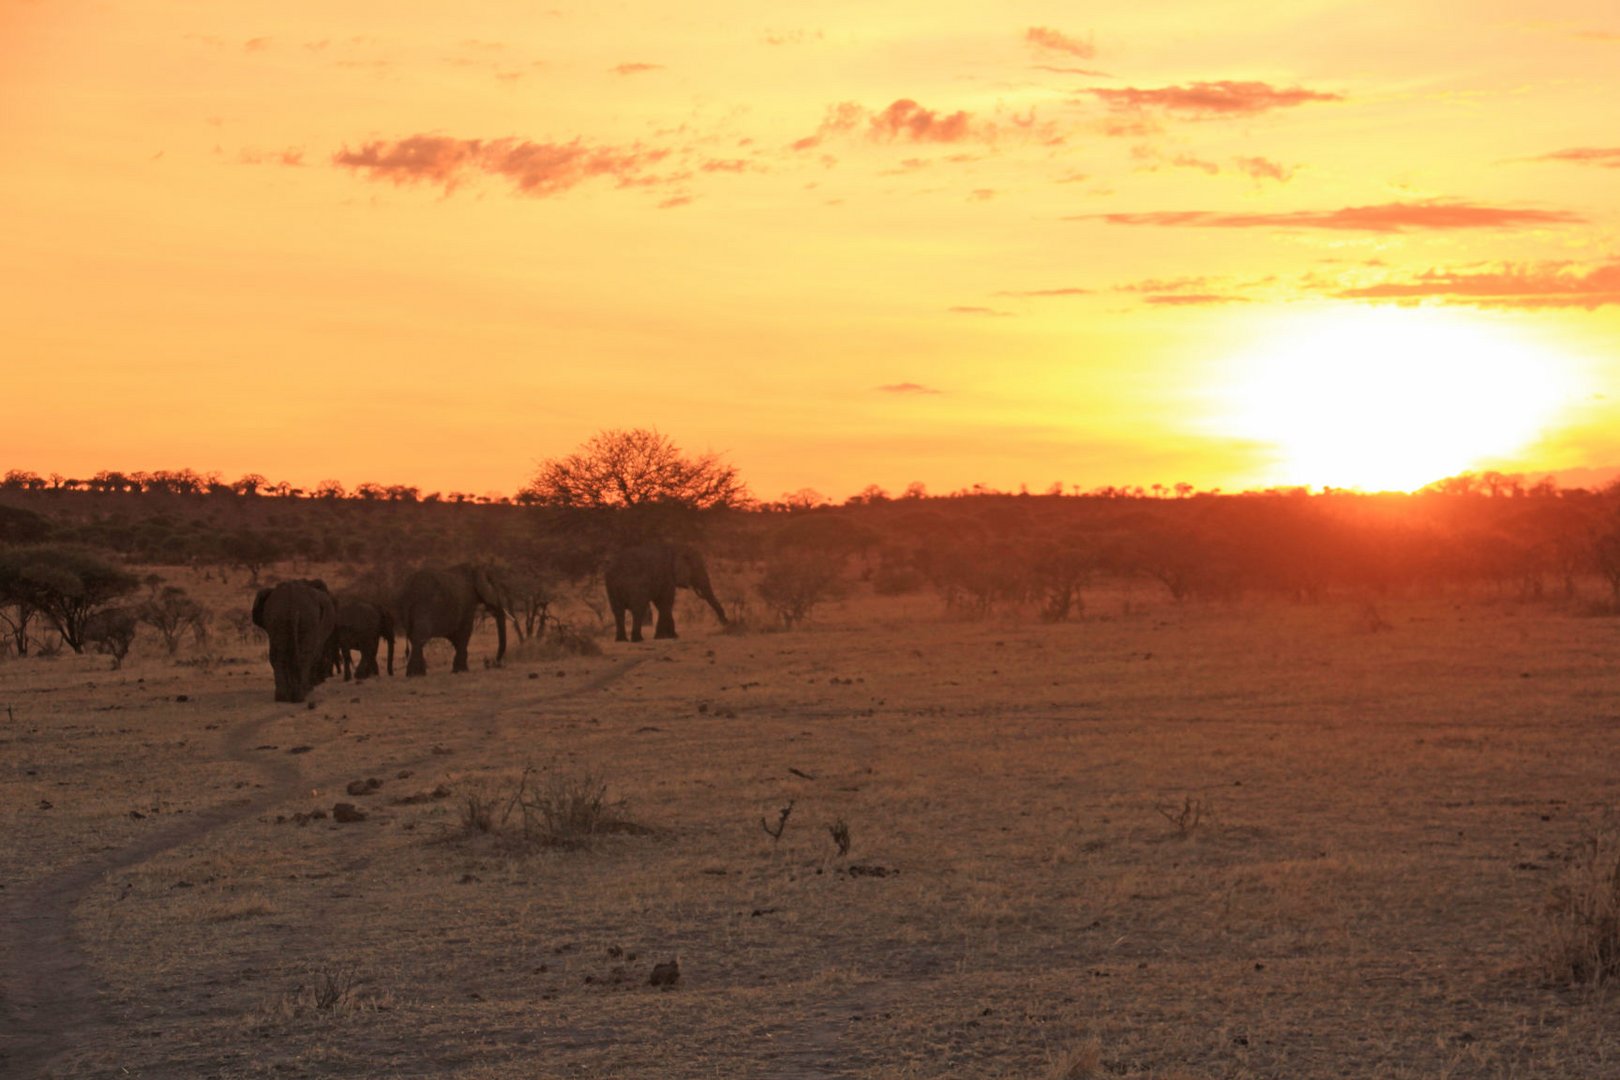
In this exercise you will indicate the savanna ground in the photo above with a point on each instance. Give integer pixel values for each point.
(1253, 839)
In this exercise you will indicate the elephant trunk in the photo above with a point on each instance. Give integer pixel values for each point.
(701, 586)
(500, 631)
(388, 635)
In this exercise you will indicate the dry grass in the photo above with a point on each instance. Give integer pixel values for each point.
(1394, 810)
(1581, 946)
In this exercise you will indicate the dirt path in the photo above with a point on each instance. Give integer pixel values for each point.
(49, 995)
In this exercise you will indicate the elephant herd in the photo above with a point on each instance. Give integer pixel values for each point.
(312, 634)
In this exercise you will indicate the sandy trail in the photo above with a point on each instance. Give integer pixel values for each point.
(50, 993)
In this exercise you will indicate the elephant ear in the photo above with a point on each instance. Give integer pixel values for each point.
(258, 608)
(317, 583)
(484, 585)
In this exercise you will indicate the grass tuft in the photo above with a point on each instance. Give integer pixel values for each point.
(1581, 943)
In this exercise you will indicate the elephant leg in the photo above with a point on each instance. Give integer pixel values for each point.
(417, 663)
(618, 621)
(635, 624)
(368, 661)
(666, 621)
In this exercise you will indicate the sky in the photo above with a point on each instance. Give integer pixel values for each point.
(1231, 245)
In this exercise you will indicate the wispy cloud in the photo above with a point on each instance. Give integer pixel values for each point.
(1385, 217)
(636, 68)
(1067, 290)
(1541, 285)
(1263, 169)
(907, 388)
(1046, 39)
(1607, 157)
(906, 121)
(1211, 98)
(1193, 299)
(968, 309)
(538, 169)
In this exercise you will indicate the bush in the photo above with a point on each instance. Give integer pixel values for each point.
(171, 613)
(797, 580)
(111, 631)
(568, 811)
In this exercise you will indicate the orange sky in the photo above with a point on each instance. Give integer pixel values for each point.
(854, 243)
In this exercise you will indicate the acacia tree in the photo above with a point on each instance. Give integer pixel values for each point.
(65, 584)
(633, 468)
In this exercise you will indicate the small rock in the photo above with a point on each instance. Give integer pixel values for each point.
(363, 787)
(666, 975)
(346, 812)
(468, 879)
(300, 750)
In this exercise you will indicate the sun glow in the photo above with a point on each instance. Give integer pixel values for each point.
(1392, 398)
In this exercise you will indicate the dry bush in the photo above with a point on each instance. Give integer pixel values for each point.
(797, 580)
(1581, 940)
(328, 992)
(554, 810)
(1185, 818)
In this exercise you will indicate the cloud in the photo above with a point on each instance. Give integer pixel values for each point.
(1263, 169)
(1606, 157)
(290, 156)
(538, 169)
(1047, 39)
(636, 69)
(1211, 98)
(1543, 285)
(1069, 290)
(964, 309)
(1193, 299)
(1383, 218)
(907, 388)
(906, 121)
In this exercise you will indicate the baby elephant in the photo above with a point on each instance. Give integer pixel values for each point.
(299, 617)
(361, 626)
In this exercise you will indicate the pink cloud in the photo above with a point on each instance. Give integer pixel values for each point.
(1263, 169)
(907, 388)
(1212, 98)
(1606, 157)
(908, 120)
(538, 169)
(636, 69)
(1050, 40)
(1541, 285)
(1386, 217)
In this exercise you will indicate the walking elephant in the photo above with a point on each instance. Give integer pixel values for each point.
(647, 576)
(299, 617)
(361, 626)
(445, 603)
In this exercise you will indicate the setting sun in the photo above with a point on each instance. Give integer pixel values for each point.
(1390, 399)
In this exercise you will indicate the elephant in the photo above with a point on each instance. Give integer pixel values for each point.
(647, 576)
(361, 625)
(299, 617)
(444, 603)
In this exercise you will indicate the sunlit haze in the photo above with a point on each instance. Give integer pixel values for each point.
(1322, 243)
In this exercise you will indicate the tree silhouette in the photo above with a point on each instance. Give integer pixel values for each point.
(632, 468)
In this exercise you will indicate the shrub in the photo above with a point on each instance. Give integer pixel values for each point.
(171, 613)
(569, 811)
(797, 580)
(111, 631)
